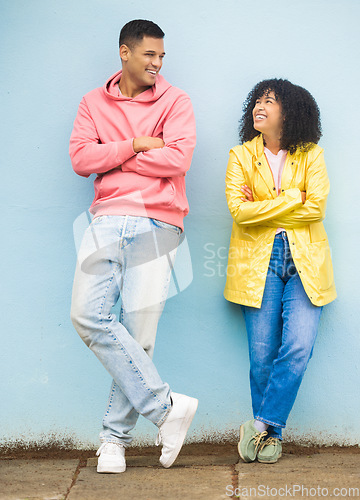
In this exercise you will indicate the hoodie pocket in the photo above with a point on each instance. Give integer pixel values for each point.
(132, 188)
(167, 191)
(179, 200)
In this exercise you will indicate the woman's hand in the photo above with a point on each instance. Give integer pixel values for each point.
(247, 192)
(249, 196)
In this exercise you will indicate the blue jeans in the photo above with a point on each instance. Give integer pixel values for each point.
(131, 258)
(281, 336)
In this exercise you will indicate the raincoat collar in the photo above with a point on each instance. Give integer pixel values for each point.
(256, 147)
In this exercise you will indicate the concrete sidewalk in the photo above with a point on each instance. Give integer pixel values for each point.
(202, 471)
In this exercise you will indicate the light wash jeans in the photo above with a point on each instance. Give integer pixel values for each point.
(131, 258)
(281, 337)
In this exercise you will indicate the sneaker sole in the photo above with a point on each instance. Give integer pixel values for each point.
(193, 404)
(110, 469)
(269, 461)
(247, 460)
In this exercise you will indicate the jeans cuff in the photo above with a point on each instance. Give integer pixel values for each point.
(114, 441)
(163, 418)
(269, 422)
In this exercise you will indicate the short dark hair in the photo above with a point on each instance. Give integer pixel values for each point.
(302, 125)
(134, 31)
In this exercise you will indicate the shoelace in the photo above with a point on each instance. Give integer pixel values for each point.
(269, 441)
(158, 439)
(258, 438)
(105, 444)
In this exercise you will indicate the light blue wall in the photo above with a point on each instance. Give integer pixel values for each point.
(52, 53)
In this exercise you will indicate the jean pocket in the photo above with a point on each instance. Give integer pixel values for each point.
(165, 225)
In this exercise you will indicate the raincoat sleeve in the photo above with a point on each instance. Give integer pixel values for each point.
(88, 155)
(317, 187)
(255, 213)
(174, 158)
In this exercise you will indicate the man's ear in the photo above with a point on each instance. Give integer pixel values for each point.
(124, 52)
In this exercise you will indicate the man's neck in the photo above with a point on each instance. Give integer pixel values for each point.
(128, 89)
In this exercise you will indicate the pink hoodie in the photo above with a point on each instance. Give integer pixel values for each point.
(147, 184)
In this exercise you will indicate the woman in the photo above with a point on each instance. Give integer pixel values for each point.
(279, 266)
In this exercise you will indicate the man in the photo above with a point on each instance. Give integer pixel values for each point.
(137, 134)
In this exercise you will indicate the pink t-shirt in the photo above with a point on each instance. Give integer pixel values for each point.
(276, 164)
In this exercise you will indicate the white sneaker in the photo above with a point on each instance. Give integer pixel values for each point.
(173, 431)
(111, 458)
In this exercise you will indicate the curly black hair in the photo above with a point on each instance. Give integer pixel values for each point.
(302, 125)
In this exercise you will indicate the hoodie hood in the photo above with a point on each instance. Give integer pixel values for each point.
(111, 89)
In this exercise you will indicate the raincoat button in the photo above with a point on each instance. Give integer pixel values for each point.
(274, 188)
(259, 162)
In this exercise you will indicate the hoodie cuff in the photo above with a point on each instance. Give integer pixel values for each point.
(125, 150)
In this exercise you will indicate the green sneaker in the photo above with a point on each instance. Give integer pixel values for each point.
(250, 440)
(270, 451)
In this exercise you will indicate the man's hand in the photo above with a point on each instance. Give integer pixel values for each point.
(247, 192)
(145, 143)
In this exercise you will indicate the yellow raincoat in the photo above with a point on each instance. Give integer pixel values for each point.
(255, 223)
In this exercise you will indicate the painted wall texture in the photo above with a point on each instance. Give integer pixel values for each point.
(51, 385)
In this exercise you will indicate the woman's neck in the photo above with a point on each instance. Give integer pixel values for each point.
(273, 144)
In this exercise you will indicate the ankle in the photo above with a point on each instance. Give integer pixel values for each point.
(260, 426)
